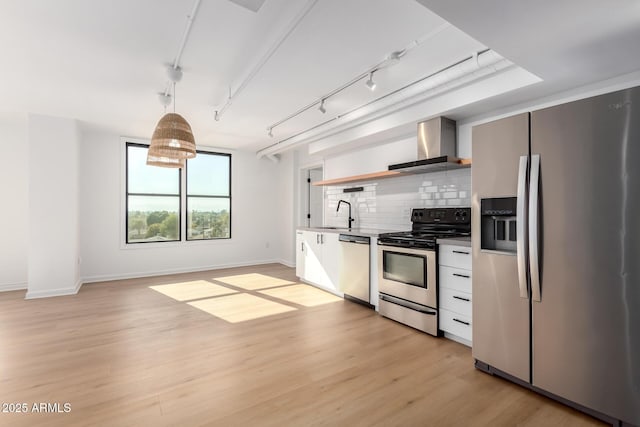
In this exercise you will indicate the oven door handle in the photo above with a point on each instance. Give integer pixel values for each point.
(408, 305)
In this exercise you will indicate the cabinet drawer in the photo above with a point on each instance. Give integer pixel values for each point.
(456, 301)
(455, 324)
(455, 256)
(455, 278)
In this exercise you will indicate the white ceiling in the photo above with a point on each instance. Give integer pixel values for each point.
(567, 43)
(103, 62)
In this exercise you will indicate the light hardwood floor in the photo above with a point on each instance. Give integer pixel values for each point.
(246, 347)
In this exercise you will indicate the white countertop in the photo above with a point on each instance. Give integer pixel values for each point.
(366, 232)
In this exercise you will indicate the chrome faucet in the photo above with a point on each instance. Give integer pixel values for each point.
(338, 208)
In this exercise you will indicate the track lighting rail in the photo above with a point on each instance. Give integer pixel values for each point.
(390, 60)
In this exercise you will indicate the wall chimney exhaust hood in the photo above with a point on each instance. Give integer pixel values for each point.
(436, 148)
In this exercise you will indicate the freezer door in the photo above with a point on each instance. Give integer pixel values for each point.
(500, 315)
(586, 326)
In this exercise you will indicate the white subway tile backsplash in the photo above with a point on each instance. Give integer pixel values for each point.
(387, 204)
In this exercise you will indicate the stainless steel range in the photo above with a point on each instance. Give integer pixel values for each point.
(408, 269)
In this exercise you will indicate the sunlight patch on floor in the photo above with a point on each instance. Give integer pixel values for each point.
(253, 281)
(305, 295)
(196, 289)
(240, 307)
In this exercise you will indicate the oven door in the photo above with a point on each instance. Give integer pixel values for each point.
(408, 273)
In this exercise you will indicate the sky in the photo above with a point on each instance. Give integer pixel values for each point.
(206, 175)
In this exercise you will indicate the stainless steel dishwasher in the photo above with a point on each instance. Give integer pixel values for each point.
(354, 268)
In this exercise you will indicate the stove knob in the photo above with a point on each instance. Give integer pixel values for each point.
(464, 213)
(421, 214)
(457, 213)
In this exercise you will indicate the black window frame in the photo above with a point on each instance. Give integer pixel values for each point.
(127, 194)
(187, 195)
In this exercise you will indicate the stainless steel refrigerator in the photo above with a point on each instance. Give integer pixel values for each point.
(556, 252)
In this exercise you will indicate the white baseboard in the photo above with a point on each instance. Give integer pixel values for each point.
(91, 279)
(5, 287)
(138, 274)
(287, 263)
(54, 292)
(457, 339)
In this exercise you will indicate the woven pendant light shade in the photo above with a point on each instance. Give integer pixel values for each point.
(172, 139)
(165, 162)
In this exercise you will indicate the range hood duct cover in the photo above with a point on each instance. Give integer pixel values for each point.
(436, 148)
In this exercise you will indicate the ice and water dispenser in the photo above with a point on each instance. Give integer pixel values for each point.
(498, 224)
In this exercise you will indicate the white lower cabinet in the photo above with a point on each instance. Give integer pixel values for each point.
(455, 324)
(317, 259)
(300, 254)
(455, 297)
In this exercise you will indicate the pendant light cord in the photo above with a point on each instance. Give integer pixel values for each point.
(174, 97)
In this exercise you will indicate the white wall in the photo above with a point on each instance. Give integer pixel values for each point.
(371, 159)
(286, 209)
(53, 206)
(14, 214)
(256, 218)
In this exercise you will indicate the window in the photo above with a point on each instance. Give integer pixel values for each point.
(154, 201)
(209, 196)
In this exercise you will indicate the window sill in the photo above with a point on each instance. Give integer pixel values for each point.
(174, 245)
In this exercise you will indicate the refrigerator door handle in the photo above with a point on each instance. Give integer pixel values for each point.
(534, 200)
(521, 235)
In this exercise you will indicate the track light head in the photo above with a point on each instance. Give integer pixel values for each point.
(396, 55)
(270, 133)
(371, 84)
(321, 107)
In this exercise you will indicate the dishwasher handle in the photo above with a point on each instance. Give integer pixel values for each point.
(349, 238)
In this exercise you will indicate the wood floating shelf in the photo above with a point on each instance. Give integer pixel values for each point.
(376, 175)
(355, 178)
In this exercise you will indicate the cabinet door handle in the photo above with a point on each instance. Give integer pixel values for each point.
(461, 321)
(317, 238)
(461, 252)
(322, 239)
(301, 246)
(461, 275)
(461, 298)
